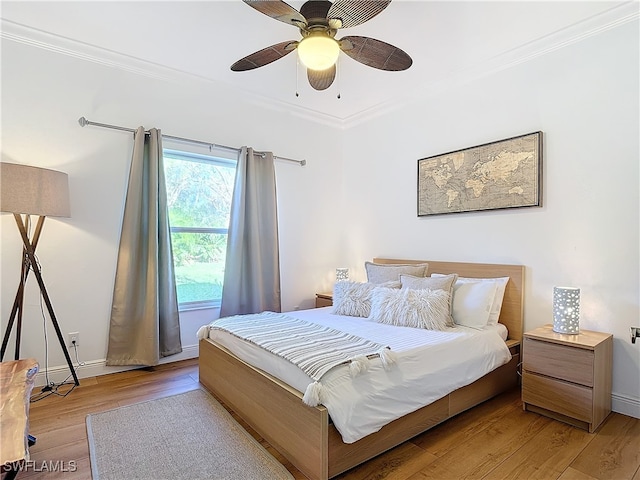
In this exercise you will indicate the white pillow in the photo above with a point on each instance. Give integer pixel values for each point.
(501, 286)
(442, 282)
(405, 307)
(383, 272)
(472, 303)
(353, 299)
(496, 305)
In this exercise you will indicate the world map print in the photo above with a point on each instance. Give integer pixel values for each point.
(504, 174)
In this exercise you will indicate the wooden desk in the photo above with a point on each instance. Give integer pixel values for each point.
(16, 383)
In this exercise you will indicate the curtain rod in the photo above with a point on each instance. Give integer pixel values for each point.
(83, 122)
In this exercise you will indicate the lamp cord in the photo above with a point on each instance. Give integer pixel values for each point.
(51, 388)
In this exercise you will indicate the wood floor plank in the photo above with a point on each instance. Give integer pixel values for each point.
(65, 470)
(486, 441)
(60, 436)
(545, 456)
(457, 430)
(155, 394)
(615, 452)
(56, 419)
(399, 463)
(573, 474)
(487, 449)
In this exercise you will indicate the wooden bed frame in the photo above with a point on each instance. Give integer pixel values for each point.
(306, 436)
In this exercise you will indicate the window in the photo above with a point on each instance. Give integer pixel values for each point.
(199, 192)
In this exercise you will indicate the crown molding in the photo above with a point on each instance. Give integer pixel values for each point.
(33, 37)
(15, 32)
(607, 20)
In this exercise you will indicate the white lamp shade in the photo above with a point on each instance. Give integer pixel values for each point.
(342, 274)
(34, 191)
(318, 52)
(566, 310)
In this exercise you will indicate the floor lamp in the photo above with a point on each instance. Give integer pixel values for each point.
(26, 191)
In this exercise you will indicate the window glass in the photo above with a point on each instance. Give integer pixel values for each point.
(199, 192)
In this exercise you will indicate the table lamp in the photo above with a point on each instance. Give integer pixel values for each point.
(566, 310)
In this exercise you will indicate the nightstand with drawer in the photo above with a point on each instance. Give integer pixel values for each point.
(568, 377)
(324, 300)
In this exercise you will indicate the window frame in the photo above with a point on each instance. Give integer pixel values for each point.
(218, 156)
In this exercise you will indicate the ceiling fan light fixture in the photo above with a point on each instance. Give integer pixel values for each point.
(318, 52)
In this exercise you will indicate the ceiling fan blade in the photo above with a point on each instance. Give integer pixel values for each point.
(279, 10)
(315, 10)
(375, 53)
(265, 56)
(349, 13)
(321, 79)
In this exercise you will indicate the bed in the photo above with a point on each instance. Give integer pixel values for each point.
(306, 435)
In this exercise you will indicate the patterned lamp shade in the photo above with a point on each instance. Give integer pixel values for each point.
(566, 310)
(342, 274)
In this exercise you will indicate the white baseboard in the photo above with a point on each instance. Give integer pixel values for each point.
(95, 368)
(625, 405)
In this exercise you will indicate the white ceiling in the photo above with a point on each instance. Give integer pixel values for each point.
(449, 41)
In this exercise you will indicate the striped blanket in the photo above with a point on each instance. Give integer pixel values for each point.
(314, 348)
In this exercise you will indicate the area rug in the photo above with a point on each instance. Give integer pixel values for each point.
(186, 436)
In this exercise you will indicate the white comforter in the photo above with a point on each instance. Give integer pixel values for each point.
(430, 364)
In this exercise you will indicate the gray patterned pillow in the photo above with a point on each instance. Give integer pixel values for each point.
(382, 272)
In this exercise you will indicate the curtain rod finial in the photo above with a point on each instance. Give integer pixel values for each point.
(83, 121)
(303, 163)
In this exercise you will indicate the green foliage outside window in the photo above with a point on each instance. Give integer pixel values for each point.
(199, 192)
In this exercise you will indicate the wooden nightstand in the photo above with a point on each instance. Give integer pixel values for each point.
(568, 377)
(324, 299)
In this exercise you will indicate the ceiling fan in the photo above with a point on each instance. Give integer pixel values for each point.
(318, 22)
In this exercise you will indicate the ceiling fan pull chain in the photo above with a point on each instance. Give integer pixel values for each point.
(338, 70)
(297, 73)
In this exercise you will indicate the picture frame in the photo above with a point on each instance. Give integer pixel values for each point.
(492, 176)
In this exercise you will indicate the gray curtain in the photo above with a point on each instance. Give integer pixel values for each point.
(144, 313)
(252, 271)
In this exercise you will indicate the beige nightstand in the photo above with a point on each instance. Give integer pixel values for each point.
(324, 299)
(568, 377)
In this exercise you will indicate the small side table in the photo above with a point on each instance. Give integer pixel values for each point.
(16, 382)
(568, 377)
(324, 300)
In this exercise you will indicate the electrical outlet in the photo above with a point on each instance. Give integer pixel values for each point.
(73, 339)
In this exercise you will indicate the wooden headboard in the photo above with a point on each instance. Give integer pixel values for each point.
(512, 313)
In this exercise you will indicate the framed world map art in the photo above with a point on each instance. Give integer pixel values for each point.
(497, 175)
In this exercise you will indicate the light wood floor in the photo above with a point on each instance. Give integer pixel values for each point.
(496, 440)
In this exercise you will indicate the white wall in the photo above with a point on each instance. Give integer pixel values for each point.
(584, 98)
(43, 95)
(356, 197)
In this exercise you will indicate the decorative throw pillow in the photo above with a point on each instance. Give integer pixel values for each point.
(353, 299)
(432, 283)
(496, 305)
(405, 307)
(382, 272)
